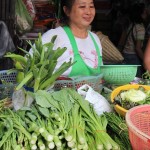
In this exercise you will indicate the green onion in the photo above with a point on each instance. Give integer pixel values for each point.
(57, 141)
(51, 145)
(41, 144)
(33, 138)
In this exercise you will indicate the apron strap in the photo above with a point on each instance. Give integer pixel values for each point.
(97, 50)
(81, 64)
(72, 40)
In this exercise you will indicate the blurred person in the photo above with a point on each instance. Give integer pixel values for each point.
(132, 39)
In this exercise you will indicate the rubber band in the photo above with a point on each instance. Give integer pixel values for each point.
(77, 127)
(99, 131)
(122, 128)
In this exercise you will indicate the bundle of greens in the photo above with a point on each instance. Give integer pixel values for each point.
(37, 70)
(119, 130)
(60, 120)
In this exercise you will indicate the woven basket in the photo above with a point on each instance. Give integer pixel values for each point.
(110, 53)
(138, 122)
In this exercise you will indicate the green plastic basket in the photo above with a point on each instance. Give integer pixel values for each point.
(119, 74)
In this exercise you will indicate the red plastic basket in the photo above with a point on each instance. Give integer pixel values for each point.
(138, 122)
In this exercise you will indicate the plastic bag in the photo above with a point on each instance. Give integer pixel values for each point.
(6, 42)
(21, 98)
(24, 22)
(99, 103)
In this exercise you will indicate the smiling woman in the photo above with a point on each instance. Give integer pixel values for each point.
(83, 46)
(79, 15)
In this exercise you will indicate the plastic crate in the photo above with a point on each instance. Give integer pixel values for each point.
(94, 81)
(138, 122)
(8, 77)
(7, 89)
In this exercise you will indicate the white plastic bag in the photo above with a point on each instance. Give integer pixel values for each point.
(99, 103)
(21, 98)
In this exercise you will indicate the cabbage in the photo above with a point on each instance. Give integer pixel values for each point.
(133, 95)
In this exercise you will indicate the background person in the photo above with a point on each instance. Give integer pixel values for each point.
(134, 37)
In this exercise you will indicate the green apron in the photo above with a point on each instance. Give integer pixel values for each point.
(80, 68)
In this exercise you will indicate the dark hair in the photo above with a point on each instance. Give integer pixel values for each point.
(136, 12)
(68, 4)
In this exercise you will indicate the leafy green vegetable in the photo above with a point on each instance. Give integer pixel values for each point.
(42, 100)
(118, 129)
(133, 95)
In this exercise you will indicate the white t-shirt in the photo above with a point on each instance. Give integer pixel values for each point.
(138, 33)
(86, 47)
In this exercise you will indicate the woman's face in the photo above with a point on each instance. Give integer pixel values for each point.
(82, 13)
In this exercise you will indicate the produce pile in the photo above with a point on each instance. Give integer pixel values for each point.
(49, 119)
(133, 97)
(38, 69)
(58, 120)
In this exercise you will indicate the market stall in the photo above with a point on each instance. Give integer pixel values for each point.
(40, 109)
(79, 115)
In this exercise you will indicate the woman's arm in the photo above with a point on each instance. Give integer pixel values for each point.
(147, 56)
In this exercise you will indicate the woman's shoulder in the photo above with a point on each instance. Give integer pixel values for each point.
(46, 37)
(56, 31)
(94, 35)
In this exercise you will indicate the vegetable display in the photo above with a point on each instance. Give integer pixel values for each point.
(133, 97)
(37, 70)
(61, 120)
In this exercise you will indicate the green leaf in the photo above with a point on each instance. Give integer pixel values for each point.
(64, 98)
(104, 121)
(44, 111)
(31, 116)
(42, 100)
(52, 101)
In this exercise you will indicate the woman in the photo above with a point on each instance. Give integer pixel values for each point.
(82, 45)
(132, 50)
